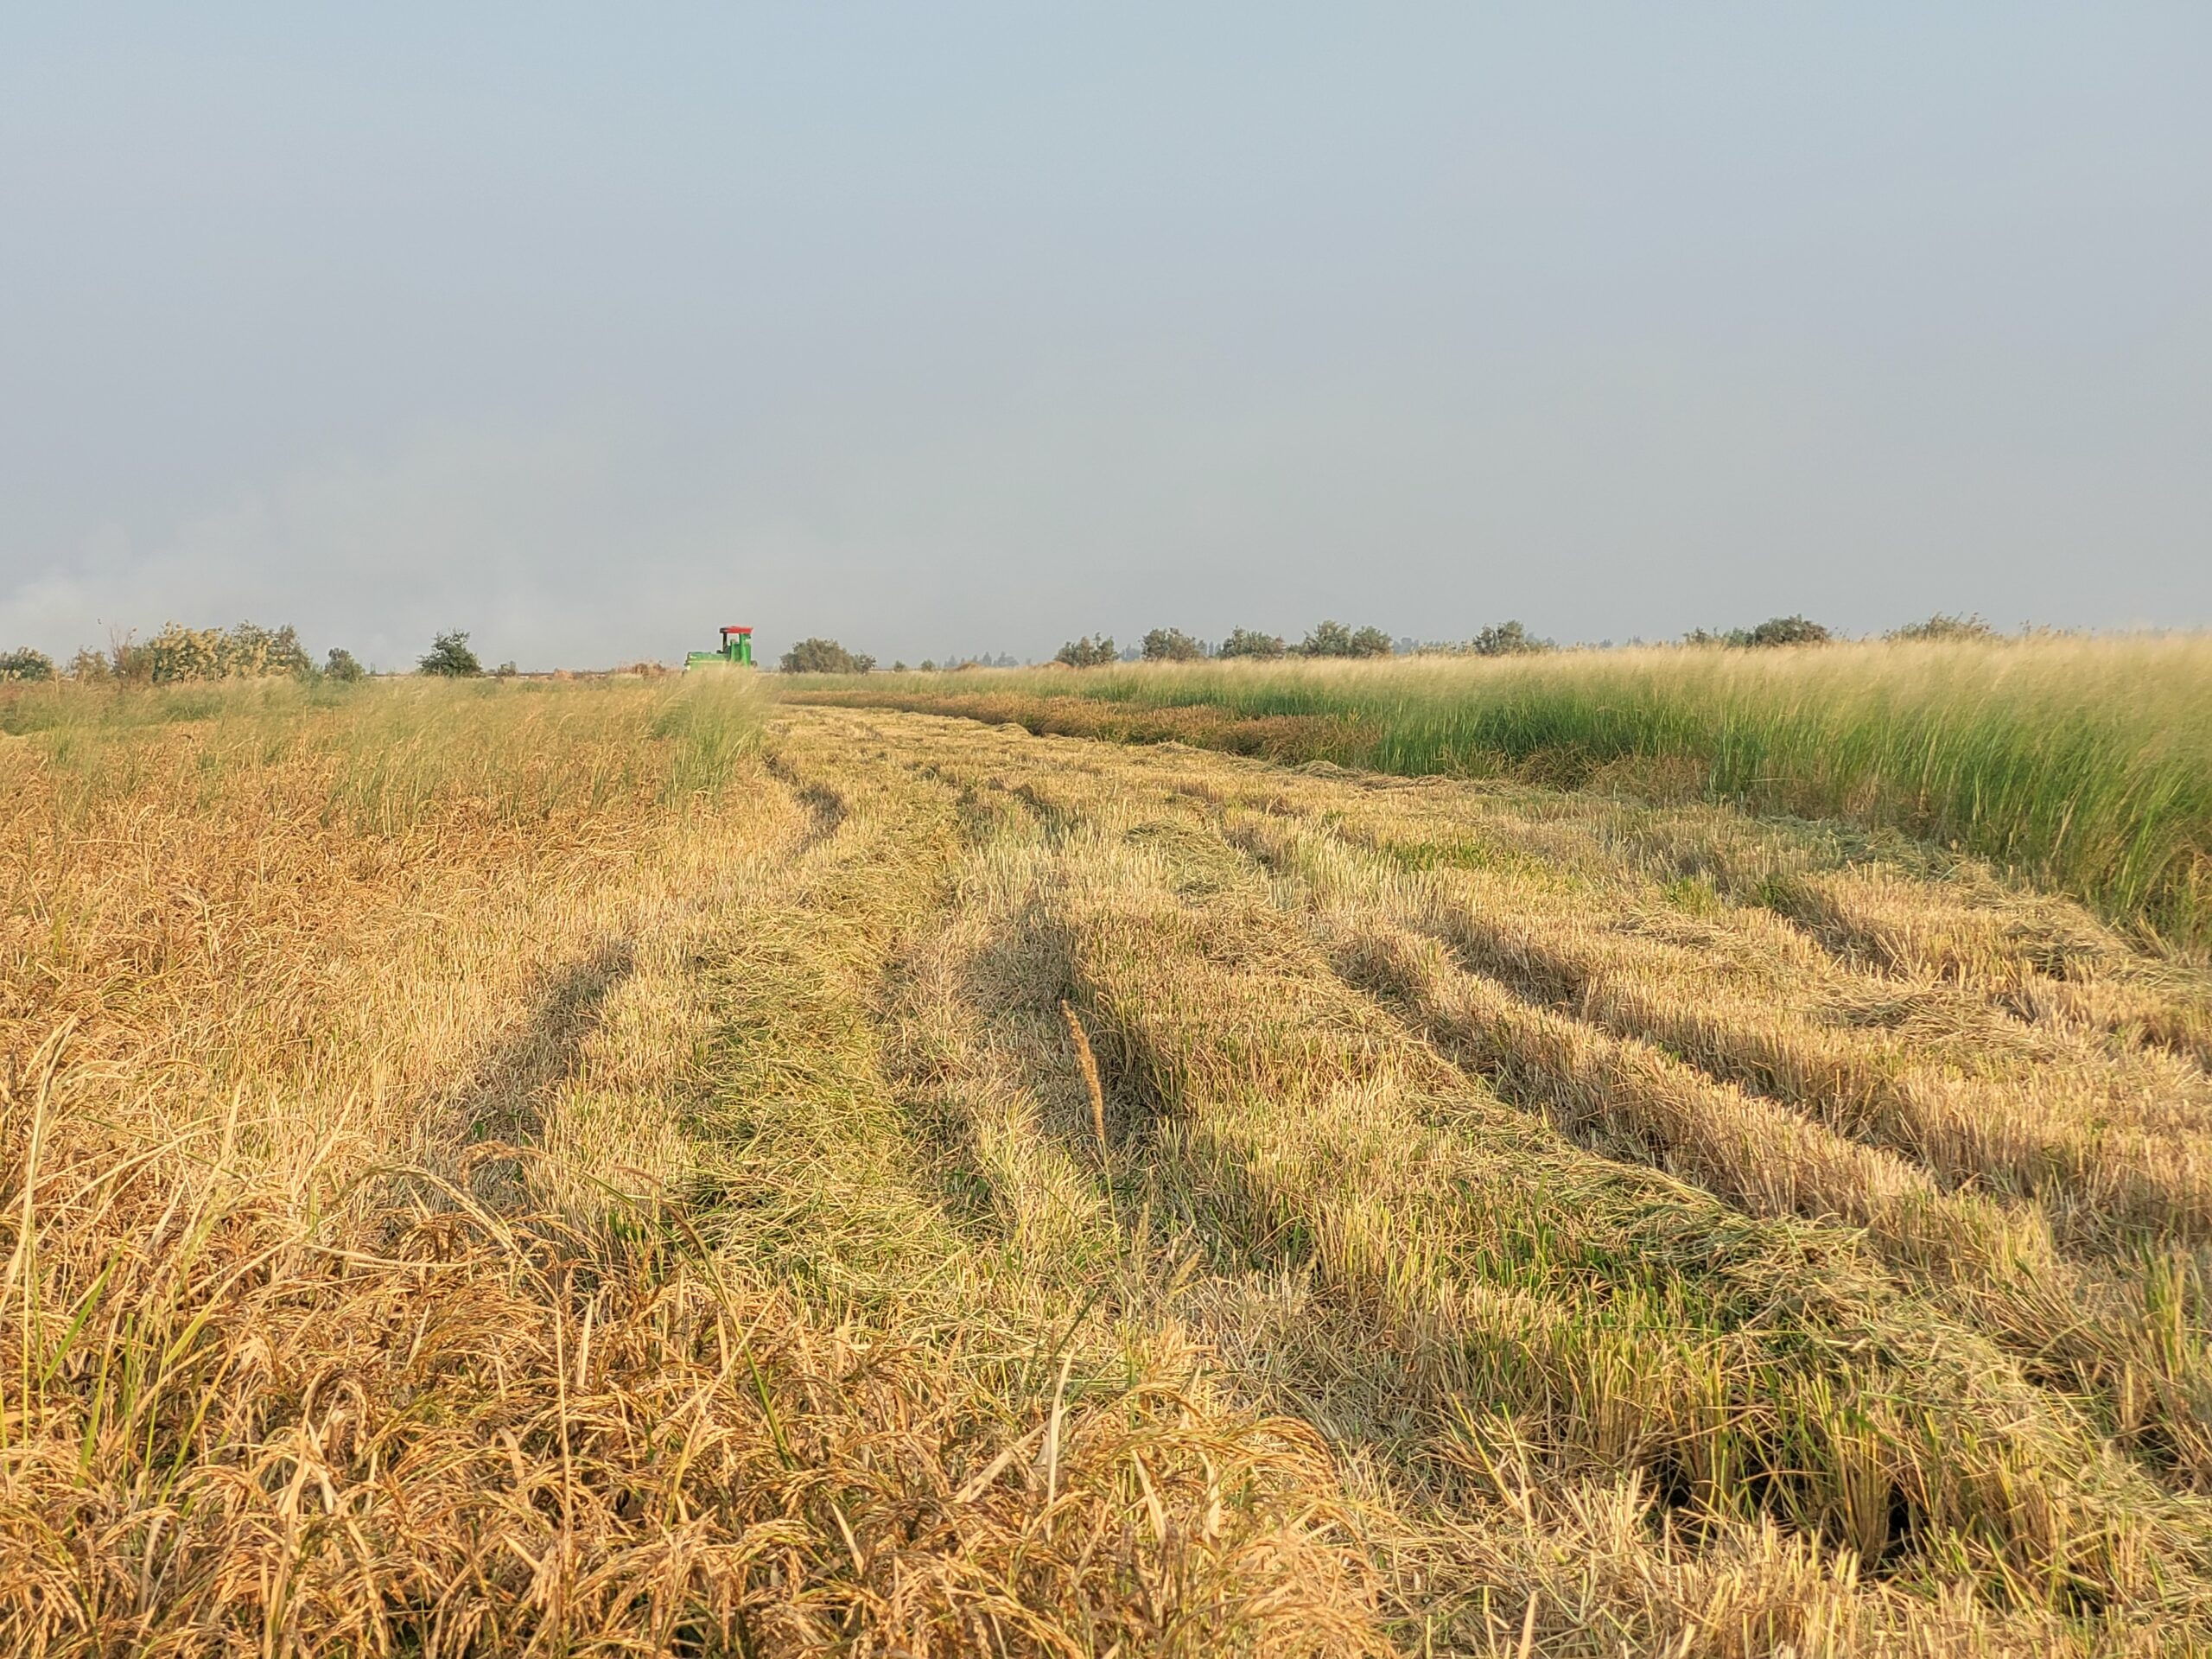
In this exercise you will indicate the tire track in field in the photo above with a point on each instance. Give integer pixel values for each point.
(924, 1177)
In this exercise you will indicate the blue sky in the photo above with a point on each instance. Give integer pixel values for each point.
(967, 328)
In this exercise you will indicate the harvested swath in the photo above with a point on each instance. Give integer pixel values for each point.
(2107, 1336)
(1343, 740)
(2108, 1141)
(2026, 954)
(1081, 811)
(671, 1215)
(2083, 764)
(1307, 1122)
(2112, 1146)
(1576, 1008)
(1480, 1539)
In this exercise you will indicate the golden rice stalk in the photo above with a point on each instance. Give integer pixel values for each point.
(1090, 1063)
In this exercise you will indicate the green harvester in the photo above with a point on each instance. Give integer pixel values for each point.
(736, 652)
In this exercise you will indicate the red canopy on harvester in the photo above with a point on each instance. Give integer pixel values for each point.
(735, 628)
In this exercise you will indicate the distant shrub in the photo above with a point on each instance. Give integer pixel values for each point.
(178, 654)
(134, 662)
(91, 667)
(1332, 639)
(1251, 642)
(1091, 651)
(929, 666)
(1171, 645)
(1787, 631)
(1326, 639)
(449, 657)
(824, 657)
(25, 664)
(1774, 630)
(341, 665)
(1943, 626)
(1507, 639)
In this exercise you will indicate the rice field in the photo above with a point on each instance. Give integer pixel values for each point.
(2082, 764)
(635, 1167)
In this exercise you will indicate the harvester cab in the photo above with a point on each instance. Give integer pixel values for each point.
(736, 652)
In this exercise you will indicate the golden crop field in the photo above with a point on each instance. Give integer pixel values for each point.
(630, 1167)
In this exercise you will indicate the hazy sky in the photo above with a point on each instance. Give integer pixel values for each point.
(950, 327)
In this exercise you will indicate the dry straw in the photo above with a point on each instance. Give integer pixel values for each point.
(1089, 1064)
(616, 1168)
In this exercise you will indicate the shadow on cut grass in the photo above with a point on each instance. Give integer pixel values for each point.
(503, 1101)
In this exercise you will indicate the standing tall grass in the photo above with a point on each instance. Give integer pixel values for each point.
(389, 754)
(2084, 765)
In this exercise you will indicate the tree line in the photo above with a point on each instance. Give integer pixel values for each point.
(178, 655)
(1508, 639)
(250, 652)
(1326, 639)
(1332, 639)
